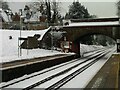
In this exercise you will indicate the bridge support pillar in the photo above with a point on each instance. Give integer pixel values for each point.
(118, 45)
(76, 48)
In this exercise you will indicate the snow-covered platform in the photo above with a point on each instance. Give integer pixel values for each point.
(108, 75)
(14, 69)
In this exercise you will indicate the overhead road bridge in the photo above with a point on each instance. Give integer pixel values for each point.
(79, 28)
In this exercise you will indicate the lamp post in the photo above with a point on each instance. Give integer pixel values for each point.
(19, 47)
(21, 19)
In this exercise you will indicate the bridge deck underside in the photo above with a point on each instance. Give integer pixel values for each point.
(74, 33)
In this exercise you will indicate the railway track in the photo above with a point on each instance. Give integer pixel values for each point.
(63, 81)
(61, 65)
(98, 55)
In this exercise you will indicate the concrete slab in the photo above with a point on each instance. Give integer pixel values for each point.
(108, 75)
(19, 68)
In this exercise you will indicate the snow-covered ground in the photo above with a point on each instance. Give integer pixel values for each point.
(80, 81)
(10, 53)
(9, 47)
(87, 48)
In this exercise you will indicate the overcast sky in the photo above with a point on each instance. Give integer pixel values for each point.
(101, 8)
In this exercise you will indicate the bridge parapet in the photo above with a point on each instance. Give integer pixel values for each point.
(104, 26)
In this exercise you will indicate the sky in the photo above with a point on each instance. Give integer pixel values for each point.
(62, 0)
(101, 8)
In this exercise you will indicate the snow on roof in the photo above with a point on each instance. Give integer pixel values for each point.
(25, 34)
(94, 23)
(28, 33)
(110, 17)
(35, 17)
(4, 15)
(0, 9)
(43, 33)
(9, 47)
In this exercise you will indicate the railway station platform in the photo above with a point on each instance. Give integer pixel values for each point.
(15, 69)
(108, 77)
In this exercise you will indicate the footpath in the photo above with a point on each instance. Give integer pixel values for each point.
(108, 76)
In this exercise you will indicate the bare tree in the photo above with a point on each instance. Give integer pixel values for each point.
(56, 12)
(4, 5)
(48, 8)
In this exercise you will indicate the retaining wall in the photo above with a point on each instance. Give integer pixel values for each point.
(12, 73)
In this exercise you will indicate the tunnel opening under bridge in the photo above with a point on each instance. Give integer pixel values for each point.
(94, 39)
